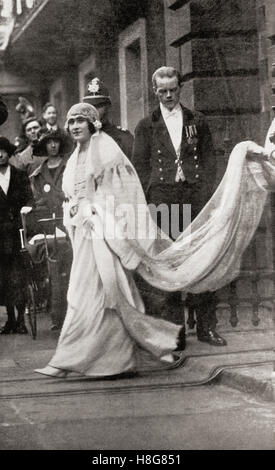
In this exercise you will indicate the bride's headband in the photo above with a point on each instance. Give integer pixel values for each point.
(84, 110)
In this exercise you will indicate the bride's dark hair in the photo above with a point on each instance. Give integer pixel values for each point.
(91, 127)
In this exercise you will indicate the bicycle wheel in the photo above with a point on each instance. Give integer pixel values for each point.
(30, 311)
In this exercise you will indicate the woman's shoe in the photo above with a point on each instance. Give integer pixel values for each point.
(52, 372)
(8, 328)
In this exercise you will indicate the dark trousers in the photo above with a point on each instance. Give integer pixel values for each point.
(170, 305)
(11, 314)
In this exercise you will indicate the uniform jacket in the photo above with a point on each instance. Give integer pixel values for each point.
(154, 155)
(19, 194)
(121, 136)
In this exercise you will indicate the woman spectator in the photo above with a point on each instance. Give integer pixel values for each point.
(46, 180)
(46, 184)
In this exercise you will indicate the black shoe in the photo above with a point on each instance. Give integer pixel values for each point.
(213, 338)
(181, 340)
(21, 329)
(55, 327)
(8, 328)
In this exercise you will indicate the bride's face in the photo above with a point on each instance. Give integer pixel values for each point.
(79, 129)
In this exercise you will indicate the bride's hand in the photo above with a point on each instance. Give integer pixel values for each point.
(269, 174)
(144, 264)
(257, 151)
(73, 210)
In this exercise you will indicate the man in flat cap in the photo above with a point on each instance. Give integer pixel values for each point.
(26, 160)
(98, 96)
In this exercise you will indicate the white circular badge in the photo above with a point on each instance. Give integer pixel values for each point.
(47, 188)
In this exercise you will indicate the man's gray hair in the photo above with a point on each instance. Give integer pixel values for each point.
(169, 72)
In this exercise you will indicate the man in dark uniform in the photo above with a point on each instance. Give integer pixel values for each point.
(3, 111)
(98, 96)
(173, 155)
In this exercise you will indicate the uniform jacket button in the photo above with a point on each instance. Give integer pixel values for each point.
(161, 178)
(159, 160)
(196, 166)
(196, 176)
(159, 151)
(160, 169)
(195, 157)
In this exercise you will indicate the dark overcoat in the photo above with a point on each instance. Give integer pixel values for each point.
(19, 194)
(48, 196)
(47, 189)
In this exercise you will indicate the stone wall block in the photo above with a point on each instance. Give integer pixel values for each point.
(187, 94)
(226, 16)
(186, 54)
(177, 24)
(270, 18)
(224, 54)
(231, 93)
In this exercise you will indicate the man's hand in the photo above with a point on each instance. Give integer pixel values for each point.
(269, 174)
(257, 152)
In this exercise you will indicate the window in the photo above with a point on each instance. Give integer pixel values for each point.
(133, 74)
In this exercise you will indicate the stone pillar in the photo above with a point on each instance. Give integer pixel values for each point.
(216, 47)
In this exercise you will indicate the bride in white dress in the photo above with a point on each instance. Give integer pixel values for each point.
(95, 341)
(113, 234)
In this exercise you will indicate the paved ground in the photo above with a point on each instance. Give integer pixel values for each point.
(208, 417)
(131, 414)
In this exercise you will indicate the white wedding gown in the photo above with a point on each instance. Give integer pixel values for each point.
(105, 325)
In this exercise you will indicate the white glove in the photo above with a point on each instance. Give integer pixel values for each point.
(26, 210)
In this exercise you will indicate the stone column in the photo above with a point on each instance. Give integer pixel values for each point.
(216, 47)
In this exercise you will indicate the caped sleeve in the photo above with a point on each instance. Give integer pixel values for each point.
(270, 138)
(128, 229)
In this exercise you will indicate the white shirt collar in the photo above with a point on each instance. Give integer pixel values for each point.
(52, 128)
(5, 179)
(166, 113)
(6, 174)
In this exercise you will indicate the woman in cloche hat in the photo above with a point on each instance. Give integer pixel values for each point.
(46, 180)
(46, 183)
